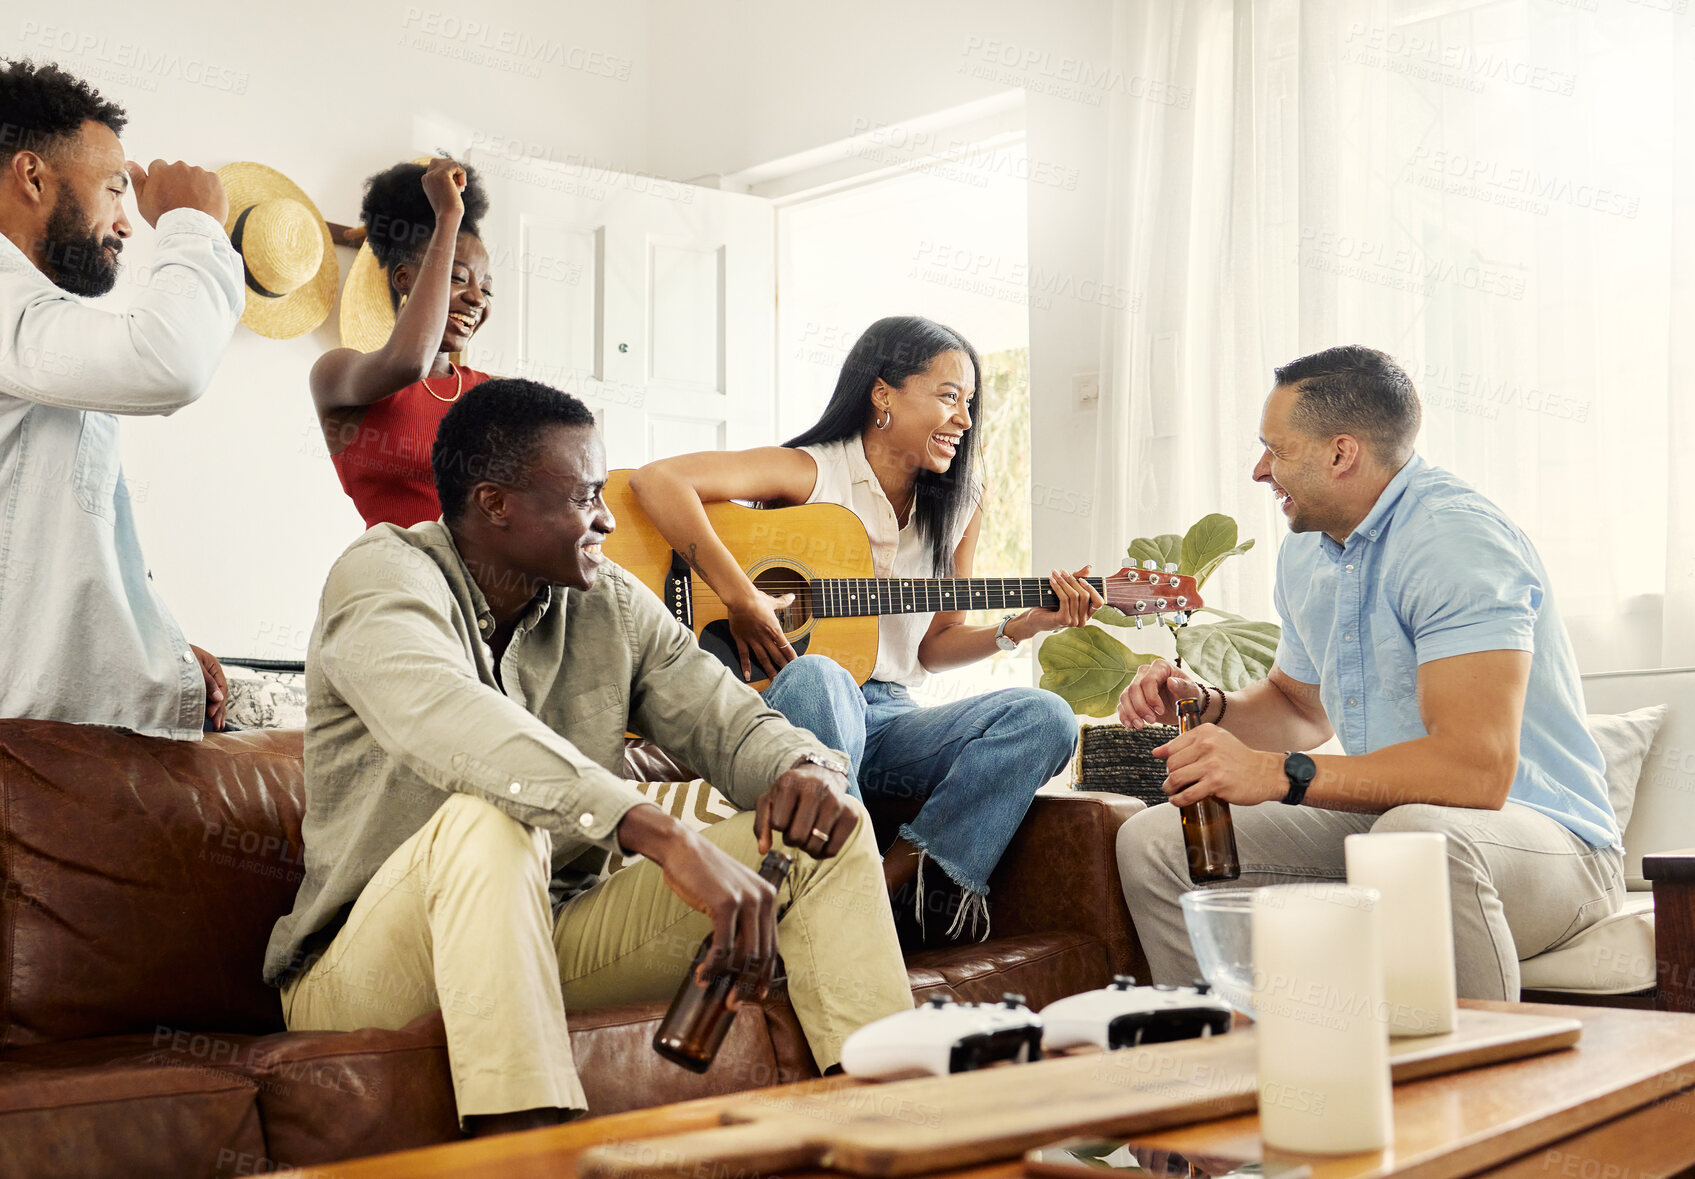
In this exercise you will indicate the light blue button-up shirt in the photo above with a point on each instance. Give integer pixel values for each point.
(83, 635)
(1436, 570)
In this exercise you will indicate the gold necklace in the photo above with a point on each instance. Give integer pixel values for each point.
(458, 384)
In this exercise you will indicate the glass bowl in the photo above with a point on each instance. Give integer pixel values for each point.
(1221, 928)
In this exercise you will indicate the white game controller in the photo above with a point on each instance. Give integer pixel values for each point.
(942, 1036)
(1125, 1015)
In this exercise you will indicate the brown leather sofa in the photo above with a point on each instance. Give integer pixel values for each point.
(139, 880)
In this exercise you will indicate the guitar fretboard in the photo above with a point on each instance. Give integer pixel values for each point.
(852, 597)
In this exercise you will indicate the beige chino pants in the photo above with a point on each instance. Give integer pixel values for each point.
(458, 919)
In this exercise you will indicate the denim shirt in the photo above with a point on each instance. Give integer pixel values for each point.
(83, 635)
(1435, 570)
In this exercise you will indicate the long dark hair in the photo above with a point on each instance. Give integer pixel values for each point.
(894, 349)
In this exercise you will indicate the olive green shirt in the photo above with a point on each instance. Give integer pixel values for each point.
(403, 708)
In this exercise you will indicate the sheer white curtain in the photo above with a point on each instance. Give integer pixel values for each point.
(1498, 194)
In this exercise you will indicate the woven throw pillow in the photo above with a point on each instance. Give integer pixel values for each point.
(694, 804)
(1121, 760)
(1625, 739)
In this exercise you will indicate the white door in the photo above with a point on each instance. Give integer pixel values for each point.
(653, 301)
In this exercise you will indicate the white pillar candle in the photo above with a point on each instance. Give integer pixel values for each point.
(1321, 1020)
(1409, 870)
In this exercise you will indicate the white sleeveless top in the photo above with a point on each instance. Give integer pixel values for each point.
(845, 477)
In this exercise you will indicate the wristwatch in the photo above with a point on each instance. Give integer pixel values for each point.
(1300, 770)
(1001, 640)
(818, 759)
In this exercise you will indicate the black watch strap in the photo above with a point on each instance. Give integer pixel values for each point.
(1300, 770)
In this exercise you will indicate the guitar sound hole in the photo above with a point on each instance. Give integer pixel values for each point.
(717, 641)
(778, 581)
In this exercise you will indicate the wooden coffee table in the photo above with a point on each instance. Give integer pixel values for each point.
(1622, 1103)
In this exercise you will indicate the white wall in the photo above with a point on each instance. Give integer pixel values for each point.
(239, 509)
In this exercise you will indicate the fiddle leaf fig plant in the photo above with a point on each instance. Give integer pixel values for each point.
(1090, 669)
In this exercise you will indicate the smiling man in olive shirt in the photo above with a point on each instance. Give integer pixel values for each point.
(469, 684)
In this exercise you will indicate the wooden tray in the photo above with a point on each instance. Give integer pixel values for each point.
(938, 1123)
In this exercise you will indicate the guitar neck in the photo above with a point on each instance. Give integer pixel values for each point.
(856, 597)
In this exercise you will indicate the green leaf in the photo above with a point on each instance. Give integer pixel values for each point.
(1112, 616)
(1088, 668)
(1230, 654)
(1208, 545)
(1163, 550)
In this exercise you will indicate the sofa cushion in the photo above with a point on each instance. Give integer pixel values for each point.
(325, 1096)
(141, 878)
(98, 1108)
(1625, 739)
(1615, 956)
(1041, 967)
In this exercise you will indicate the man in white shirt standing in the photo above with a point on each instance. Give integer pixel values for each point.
(83, 635)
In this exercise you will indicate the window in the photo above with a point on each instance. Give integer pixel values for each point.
(945, 240)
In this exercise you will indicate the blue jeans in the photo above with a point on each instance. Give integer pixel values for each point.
(975, 764)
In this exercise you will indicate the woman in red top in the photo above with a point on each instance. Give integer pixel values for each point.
(379, 410)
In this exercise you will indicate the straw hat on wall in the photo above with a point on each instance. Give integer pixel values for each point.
(285, 247)
(367, 315)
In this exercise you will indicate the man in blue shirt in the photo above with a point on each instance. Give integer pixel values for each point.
(1420, 630)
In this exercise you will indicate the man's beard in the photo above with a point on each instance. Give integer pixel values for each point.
(76, 258)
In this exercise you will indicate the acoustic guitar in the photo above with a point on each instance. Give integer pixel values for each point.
(822, 554)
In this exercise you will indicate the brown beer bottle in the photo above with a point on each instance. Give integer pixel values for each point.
(700, 1016)
(1208, 833)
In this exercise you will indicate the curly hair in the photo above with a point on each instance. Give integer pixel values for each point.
(42, 105)
(492, 434)
(397, 216)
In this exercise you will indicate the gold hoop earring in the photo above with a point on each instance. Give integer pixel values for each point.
(884, 418)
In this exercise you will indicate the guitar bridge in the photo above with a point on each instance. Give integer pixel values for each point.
(678, 586)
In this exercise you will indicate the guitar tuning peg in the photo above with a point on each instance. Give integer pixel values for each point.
(1171, 566)
(1150, 563)
(1182, 618)
(1139, 619)
(1128, 563)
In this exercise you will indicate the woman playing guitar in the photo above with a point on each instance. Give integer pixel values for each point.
(896, 446)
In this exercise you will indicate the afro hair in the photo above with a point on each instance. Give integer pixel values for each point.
(397, 216)
(40, 105)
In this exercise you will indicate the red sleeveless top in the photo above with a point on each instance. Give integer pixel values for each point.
(385, 466)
